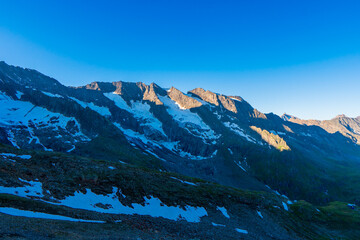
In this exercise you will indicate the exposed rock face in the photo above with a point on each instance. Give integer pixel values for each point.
(207, 96)
(130, 91)
(184, 101)
(216, 99)
(150, 93)
(228, 103)
(101, 86)
(349, 127)
(272, 139)
(258, 114)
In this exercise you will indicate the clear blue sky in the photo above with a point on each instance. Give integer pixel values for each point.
(299, 57)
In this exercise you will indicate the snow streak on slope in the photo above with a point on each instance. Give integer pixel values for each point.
(52, 95)
(104, 111)
(32, 214)
(189, 120)
(236, 129)
(140, 110)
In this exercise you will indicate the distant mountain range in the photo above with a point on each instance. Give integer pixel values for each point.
(199, 134)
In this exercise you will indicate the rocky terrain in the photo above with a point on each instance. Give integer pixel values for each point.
(134, 151)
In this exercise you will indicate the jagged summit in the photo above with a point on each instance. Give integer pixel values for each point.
(341, 116)
(216, 99)
(129, 90)
(184, 101)
(288, 117)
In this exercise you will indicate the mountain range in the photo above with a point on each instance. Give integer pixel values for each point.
(200, 152)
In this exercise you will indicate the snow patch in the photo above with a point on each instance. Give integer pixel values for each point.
(223, 211)
(217, 225)
(239, 165)
(104, 111)
(32, 214)
(241, 231)
(285, 206)
(32, 189)
(52, 95)
(18, 94)
(152, 207)
(14, 155)
(72, 149)
(186, 182)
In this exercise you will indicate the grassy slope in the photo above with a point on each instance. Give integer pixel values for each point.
(71, 173)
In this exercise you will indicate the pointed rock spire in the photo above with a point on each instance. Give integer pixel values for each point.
(184, 101)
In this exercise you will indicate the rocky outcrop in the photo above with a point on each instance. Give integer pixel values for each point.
(272, 139)
(348, 127)
(207, 96)
(130, 91)
(184, 101)
(257, 114)
(150, 93)
(216, 99)
(227, 103)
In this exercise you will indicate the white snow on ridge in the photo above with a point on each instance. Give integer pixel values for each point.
(140, 110)
(32, 214)
(188, 120)
(104, 111)
(235, 99)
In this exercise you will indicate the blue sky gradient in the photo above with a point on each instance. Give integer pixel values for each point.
(299, 57)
